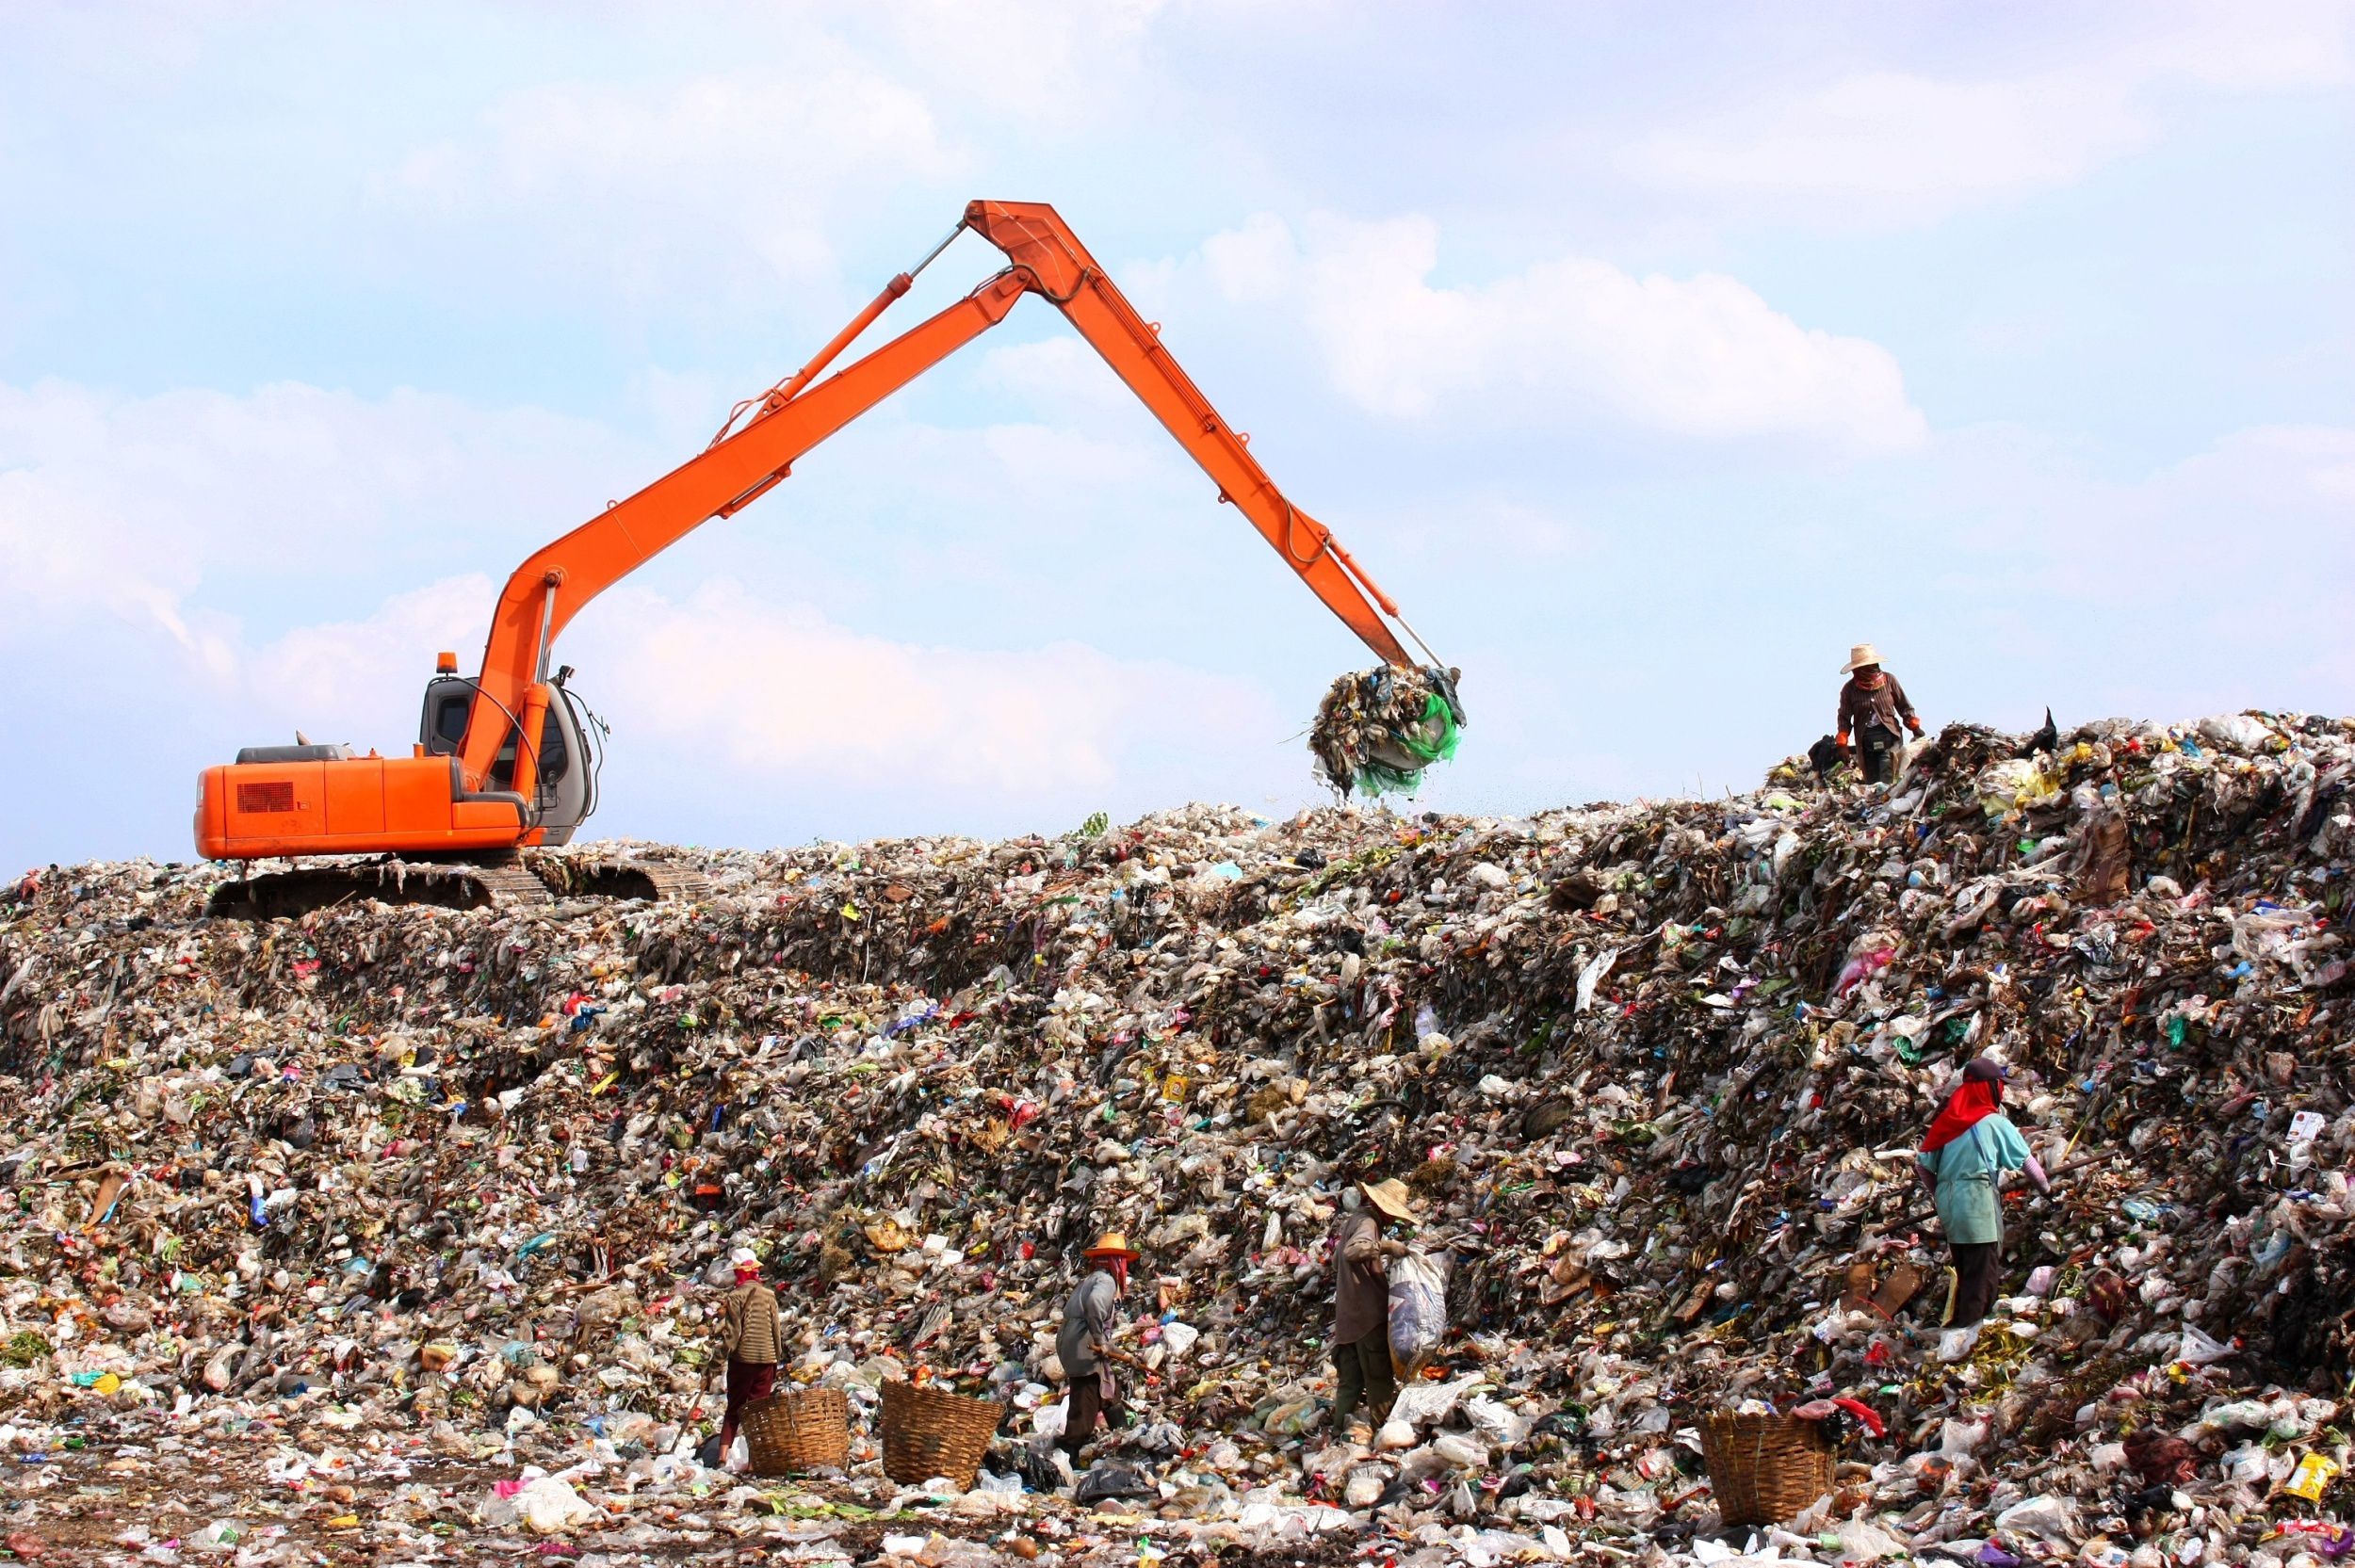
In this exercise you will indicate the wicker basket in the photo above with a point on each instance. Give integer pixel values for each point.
(804, 1428)
(1765, 1469)
(928, 1433)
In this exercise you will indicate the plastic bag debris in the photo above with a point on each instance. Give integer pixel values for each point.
(1417, 1310)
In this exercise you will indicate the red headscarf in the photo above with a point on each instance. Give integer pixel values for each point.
(1979, 1094)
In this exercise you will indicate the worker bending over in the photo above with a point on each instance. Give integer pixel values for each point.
(1084, 1344)
(1970, 1146)
(1871, 705)
(1361, 1302)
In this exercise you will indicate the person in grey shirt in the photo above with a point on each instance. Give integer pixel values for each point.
(1084, 1342)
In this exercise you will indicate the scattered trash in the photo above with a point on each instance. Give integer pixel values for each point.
(404, 1222)
(2312, 1477)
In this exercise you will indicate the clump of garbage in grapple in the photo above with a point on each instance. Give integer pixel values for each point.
(1377, 730)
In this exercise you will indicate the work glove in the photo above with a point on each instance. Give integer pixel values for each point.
(1915, 726)
(1392, 1247)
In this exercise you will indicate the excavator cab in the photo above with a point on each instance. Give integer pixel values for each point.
(459, 848)
(568, 762)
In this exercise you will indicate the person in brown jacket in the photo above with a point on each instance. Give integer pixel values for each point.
(1871, 705)
(754, 1338)
(1361, 1302)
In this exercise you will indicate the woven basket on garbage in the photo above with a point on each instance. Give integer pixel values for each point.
(804, 1428)
(1765, 1469)
(927, 1433)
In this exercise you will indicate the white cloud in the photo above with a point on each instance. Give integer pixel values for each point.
(2241, 46)
(785, 692)
(294, 505)
(257, 534)
(1701, 356)
(769, 695)
(1059, 374)
(1906, 143)
(1893, 145)
(2254, 533)
(60, 547)
(778, 692)
(652, 187)
(1254, 263)
(2213, 583)
(1048, 62)
(2306, 468)
(135, 505)
(359, 681)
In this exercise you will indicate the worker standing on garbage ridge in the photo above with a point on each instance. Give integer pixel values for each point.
(1871, 705)
(1969, 1147)
(1362, 1300)
(751, 1335)
(1084, 1342)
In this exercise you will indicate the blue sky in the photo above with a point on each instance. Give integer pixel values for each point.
(1649, 356)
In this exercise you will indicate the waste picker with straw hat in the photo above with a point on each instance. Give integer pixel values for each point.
(1084, 1342)
(754, 1339)
(1871, 705)
(1361, 1314)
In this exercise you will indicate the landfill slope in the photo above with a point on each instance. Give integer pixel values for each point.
(385, 1205)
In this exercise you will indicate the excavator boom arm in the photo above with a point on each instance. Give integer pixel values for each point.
(550, 587)
(1039, 242)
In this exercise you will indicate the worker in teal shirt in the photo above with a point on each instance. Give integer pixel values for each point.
(1969, 1147)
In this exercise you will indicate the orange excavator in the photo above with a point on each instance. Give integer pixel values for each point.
(507, 760)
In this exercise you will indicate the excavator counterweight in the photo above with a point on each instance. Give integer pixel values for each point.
(505, 761)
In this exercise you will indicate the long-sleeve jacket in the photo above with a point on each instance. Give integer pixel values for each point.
(1361, 1292)
(1087, 1324)
(751, 1333)
(1883, 705)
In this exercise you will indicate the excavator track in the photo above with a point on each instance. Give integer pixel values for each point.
(569, 877)
(445, 884)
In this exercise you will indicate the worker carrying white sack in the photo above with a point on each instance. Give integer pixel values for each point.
(1361, 1305)
(1871, 705)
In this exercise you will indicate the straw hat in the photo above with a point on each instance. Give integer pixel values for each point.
(1858, 657)
(1111, 1244)
(1390, 1198)
(744, 1257)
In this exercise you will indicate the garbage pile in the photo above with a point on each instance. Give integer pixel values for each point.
(409, 1226)
(1377, 730)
